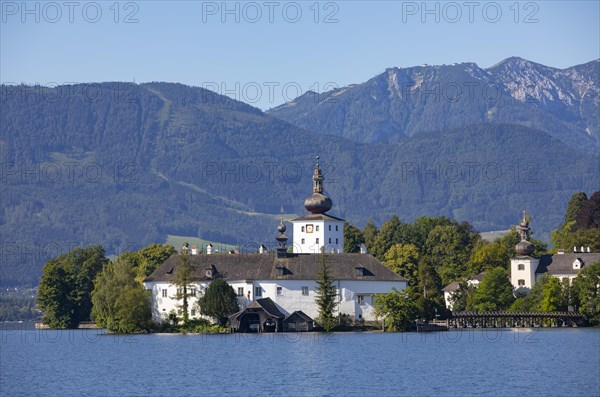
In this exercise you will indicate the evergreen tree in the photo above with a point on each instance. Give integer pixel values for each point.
(219, 301)
(183, 278)
(326, 296)
(575, 203)
(588, 216)
(353, 238)
(370, 233)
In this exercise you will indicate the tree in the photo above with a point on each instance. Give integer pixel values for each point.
(460, 297)
(184, 275)
(397, 309)
(385, 238)
(449, 248)
(353, 238)
(326, 296)
(404, 260)
(427, 294)
(120, 303)
(152, 257)
(586, 292)
(219, 301)
(370, 233)
(552, 296)
(575, 203)
(489, 255)
(494, 292)
(64, 293)
(588, 216)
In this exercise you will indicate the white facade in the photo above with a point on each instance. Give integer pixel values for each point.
(355, 297)
(522, 272)
(310, 236)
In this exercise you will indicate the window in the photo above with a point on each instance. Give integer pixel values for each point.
(317, 242)
(329, 227)
(360, 299)
(305, 291)
(521, 267)
(193, 312)
(302, 241)
(164, 293)
(521, 282)
(179, 312)
(336, 228)
(359, 271)
(257, 291)
(240, 291)
(280, 270)
(279, 290)
(302, 229)
(329, 240)
(193, 292)
(336, 241)
(317, 228)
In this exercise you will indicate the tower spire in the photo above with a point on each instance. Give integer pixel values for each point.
(318, 179)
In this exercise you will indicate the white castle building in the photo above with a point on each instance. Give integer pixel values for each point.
(280, 287)
(525, 270)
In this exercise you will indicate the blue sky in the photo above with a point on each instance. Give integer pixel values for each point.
(266, 52)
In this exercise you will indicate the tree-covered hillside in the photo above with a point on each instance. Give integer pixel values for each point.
(125, 165)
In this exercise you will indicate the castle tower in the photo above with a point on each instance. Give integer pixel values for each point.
(281, 239)
(318, 231)
(523, 266)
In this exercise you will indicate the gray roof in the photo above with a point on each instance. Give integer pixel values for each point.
(298, 314)
(563, 263)
(267, 305)
(317, 217)
(453, 286)
(264, 267)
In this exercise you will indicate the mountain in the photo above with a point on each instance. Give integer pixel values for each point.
(125, 165)
(403, 102)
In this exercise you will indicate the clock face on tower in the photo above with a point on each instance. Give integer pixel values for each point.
(309, 228)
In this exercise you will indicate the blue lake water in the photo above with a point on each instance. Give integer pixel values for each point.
(547, 362)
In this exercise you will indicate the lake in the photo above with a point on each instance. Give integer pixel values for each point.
(541, 362)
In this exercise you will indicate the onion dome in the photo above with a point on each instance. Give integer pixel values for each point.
(524, 247)
(282, 238)
(318, 203)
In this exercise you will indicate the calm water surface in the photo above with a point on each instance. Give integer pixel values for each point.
(552, 362)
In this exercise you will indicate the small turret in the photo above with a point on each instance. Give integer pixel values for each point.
(524, 247)
(282, 238)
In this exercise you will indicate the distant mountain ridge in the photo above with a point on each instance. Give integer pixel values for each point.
(167, 159)
(402, 102)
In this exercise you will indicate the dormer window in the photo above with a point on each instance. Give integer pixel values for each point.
(280, 270)
(210, 272)
(359, 271)
(577, 264)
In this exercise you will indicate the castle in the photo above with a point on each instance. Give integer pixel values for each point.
(277, 290)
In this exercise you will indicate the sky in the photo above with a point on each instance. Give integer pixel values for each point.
(268, 52)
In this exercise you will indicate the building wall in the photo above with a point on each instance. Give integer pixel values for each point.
(528, 274)
(289, 300)
(324, 234)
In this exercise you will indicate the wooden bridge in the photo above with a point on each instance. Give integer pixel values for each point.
(514, 319)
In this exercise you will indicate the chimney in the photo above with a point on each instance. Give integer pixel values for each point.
(574, 249)
(194, 250)
(363, 248)
(262, 249)
(589, 249)
(209, 249)
(185, 248)
(582, 249)
(561, 251)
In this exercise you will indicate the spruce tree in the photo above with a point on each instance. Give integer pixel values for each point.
(326, 299)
